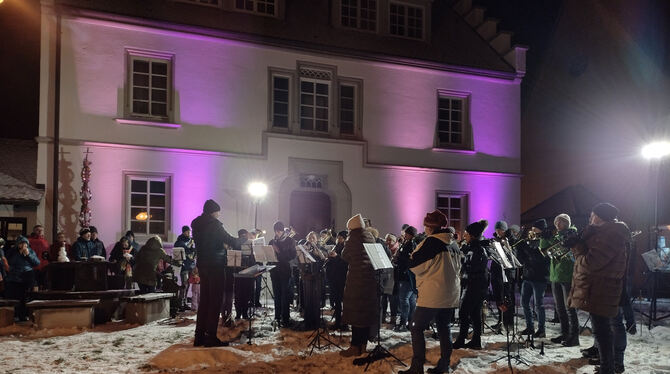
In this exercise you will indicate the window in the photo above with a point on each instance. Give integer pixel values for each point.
(148, 204)
(280, 101)
(311, 181)
(406, 20)
(149, 86)
(359, 14)
(450, 122)
(314, 105)
(454, 206)
(347, 109)
(264, 7)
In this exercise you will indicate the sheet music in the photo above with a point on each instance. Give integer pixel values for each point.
(304, 257)
(652, 260)
(259, 241)
(377, 256)
(264, 253)
(178, 253)
(246, 248)
(504, 261)
(234, 258)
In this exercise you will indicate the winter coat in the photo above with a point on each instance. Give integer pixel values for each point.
(474, 272)
(561, 270)
(20, 265)
(360, 299)
(184, 241)
(497, 278)
(437, 268)
(117, 259)
(98, 248)
(209, 237)
(402, 261)
(55, 251)
(600, 267)
(82, 249)
(147, 260)
(285, 251)
(336, 268)
(535, 265)
(41, 248)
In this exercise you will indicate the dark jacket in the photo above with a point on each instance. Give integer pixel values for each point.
(336, 268)
(600, 267)
(475, 272)
(82, 249)
(20, 265)
(402, 262)
(116, 257)
(285, 251)
(497, 271)
(209, 237)
(185, 242)
(98, 248)
(535, 265)
(147, 260)
(360, 291)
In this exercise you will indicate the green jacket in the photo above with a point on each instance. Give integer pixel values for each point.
(561, 271)
(146, 262)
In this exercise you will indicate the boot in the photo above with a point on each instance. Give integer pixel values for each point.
(527, 331)
(353, 351)
(440, 368)
(540, 334)
(415, 368)
(475, 343)
(572, 340)
(591, 352)
(557, 340)
(459, 342)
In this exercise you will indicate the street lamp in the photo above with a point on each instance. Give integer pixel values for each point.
(257, 190)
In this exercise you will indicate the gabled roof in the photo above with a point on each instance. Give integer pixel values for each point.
(18, 172)
(576, 201)
(14, 191)
(307, 25)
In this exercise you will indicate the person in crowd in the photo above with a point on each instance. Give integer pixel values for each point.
(598, 280)
(122, 258)
(98, 245)
(228, 289)
(560, 275)
(284, 247)
(131, 237)
(146, 262)
(503, 281)
(326, 237)
(407, 293)
(61, 242)
(475, 280)
(244, 287)
(185, 241)
(21, 276)
(361, 306)
(41, 248)
(437, 269)
(4, 268)
(336, 271)
(392, 300)
(194, 280)
(83, 248)
(209, 237)
(535, 277)
(392, 244)
(386, 279)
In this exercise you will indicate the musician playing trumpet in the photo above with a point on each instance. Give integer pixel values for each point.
(560, 276)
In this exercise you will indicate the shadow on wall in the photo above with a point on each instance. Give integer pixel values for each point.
(67, 197)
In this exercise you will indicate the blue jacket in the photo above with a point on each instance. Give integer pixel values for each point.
(19, 264)
(83, 249)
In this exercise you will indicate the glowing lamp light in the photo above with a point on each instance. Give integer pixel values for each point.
(257, 189)
(656, 150)
(142, 216)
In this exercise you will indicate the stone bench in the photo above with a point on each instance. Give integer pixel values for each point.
(147, 308)
(109, 300)
(50, 314)
(7, 312)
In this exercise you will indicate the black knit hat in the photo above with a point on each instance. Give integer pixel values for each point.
(501, 225)
(343, 234)
(84, 231)
(410, 230)
(185, 228)
(540, 224)
(210, 207)
(476, 229)
(93, 229)
(606, 211)
(404, 226)
(278, 226)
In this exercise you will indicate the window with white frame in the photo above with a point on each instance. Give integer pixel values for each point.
(347, 109)
(263, 7)
(314, 105)
(406, 20)
(149, 86)
(280, 101)
(359, 14)
(147, 208)
(452, 130)
(455, 207)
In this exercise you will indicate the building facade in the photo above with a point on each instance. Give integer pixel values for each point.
(339, 106)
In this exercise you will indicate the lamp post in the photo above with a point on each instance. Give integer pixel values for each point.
(257, 190)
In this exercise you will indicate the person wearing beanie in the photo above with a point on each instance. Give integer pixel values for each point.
(284, 246)
(21, 276)
(185, 241)
(475, 281)
(406, 280)
(336, 272)
(437, 268)
(98, 245)
(360, 299)
(598, 282)
(40, 246)
(83, 248)
(535, 277)
(209, 238)
(560, 276)
(503, 281)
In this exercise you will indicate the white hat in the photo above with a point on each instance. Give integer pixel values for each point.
(356, 222)
(564, 217)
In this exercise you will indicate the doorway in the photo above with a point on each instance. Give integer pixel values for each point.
(309, 211)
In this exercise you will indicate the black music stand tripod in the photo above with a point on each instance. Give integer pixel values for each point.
(321, 333)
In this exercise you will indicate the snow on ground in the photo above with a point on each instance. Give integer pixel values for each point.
(167, 348)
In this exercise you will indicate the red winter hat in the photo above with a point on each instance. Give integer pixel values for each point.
(435, 219)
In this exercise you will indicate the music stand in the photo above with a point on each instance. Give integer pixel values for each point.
(380, 262)
(252, 272)
(264, 254)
